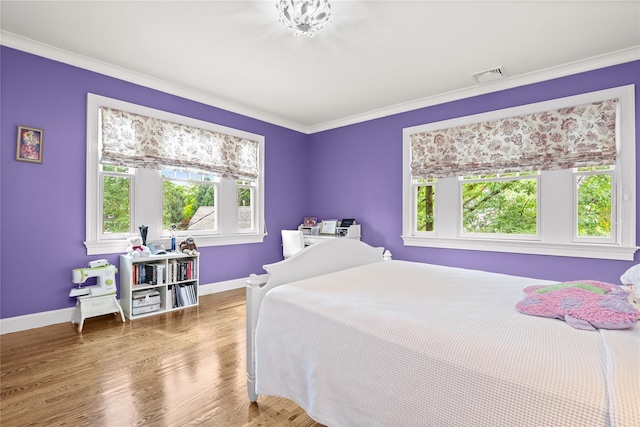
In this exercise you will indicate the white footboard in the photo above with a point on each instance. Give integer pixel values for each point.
(321, 258)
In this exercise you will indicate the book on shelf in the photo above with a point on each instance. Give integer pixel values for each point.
(180, 270)
(160, 274)
(148, 273)
(185, 270)
(194, 297)
(183, 295)
(175, 294)
(171, 268)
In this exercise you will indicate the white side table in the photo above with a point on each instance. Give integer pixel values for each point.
(88, 306)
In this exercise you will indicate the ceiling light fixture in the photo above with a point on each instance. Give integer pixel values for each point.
(304, 17)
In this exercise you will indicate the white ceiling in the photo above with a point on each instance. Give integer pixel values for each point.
(376, 57)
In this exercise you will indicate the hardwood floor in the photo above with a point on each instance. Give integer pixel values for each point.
(176, 369)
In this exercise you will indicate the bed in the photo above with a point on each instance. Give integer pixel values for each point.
(357, 340)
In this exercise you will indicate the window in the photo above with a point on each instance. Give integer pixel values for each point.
(189, 201)
(525, 202)
(425, 196)
(198, 193)
(501, 205)
(116, 188)
(594, 204)
(246, 192)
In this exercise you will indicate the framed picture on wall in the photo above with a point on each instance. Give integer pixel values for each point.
(329, 226)
(29, 146)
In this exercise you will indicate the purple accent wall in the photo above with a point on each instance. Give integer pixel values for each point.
(356, 171)
(365, 180)
(43, 205)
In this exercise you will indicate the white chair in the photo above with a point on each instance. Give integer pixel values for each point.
(292, 242)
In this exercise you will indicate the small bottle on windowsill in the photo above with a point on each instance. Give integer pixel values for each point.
(173, 238)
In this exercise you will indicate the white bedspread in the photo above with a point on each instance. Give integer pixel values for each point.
(409, 344)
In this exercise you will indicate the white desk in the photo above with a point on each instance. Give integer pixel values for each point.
(352, 232)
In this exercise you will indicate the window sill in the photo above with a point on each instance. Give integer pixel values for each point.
(579, 250)
(120, 246)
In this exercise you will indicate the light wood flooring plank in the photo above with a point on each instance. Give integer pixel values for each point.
(185, 368)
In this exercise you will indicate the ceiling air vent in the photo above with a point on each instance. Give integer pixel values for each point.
(489, 75)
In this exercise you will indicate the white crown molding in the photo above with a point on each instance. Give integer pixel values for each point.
(46, 51)
(613, 58)
(30, 46)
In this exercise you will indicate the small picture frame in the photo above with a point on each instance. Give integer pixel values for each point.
(329, 226)
(29, 146)
(310, 221)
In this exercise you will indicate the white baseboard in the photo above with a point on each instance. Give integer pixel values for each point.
(46, 318)
(35, 320)
(213, 288)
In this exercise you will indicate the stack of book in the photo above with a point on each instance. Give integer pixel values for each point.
(180, 270)
(148, 273)
(146, 301)
(184, 295)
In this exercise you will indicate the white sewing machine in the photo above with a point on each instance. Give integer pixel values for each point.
(106, 279)
(97, 299)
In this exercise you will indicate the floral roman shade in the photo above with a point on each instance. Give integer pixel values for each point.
(583, 135)
(133, 140)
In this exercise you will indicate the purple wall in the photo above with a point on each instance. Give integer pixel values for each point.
(42, 207)
(366, 179)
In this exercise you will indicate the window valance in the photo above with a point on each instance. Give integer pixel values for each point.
(134, 140)
(583, 135)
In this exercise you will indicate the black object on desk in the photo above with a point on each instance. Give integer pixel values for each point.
(347, 222)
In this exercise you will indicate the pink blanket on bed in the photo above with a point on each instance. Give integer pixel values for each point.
(586, 304)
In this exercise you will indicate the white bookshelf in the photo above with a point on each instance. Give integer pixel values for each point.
(158, 278)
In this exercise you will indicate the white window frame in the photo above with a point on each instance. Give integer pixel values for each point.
(147, 188)
(556, 191)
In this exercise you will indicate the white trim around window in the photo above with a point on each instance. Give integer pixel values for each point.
(556, 192)
(96, 245)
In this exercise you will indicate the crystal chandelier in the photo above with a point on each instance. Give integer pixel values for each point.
(304, 16)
